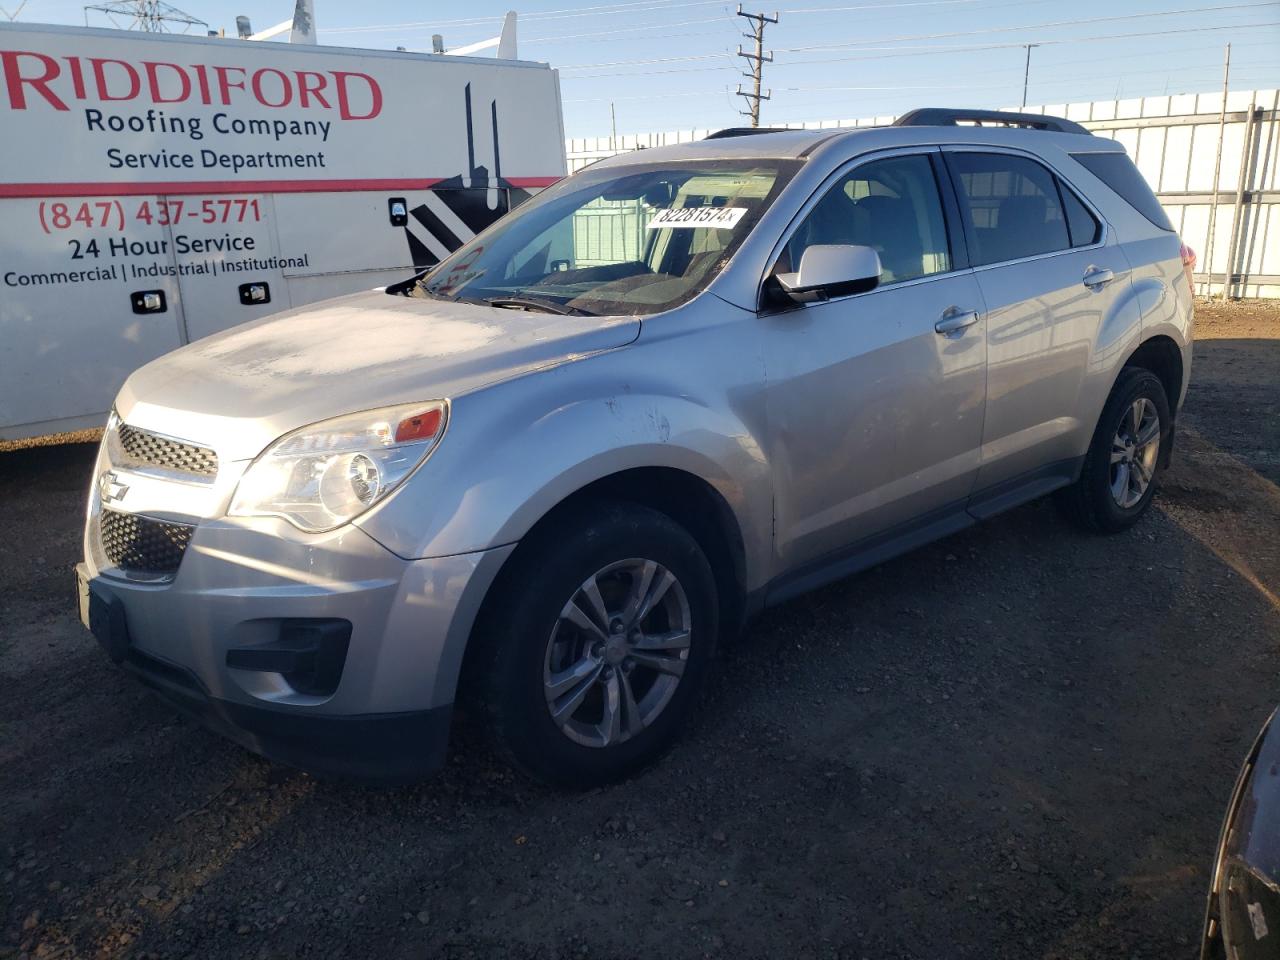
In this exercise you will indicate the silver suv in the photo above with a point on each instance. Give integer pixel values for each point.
(553, 472)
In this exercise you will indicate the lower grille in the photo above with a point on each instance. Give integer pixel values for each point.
(141, 545)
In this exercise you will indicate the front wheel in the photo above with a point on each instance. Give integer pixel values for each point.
(1118, 479)
(601, 643)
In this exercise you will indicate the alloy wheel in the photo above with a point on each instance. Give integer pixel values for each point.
(617, 652)
(1134, 450)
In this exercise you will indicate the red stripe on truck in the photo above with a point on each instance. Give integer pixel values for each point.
(180, 187)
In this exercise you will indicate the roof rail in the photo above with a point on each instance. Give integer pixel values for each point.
(742, 132)
(946, 117)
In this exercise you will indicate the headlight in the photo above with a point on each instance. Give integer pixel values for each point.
(327, 474)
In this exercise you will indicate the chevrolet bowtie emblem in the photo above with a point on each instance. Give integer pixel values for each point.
(111, 489)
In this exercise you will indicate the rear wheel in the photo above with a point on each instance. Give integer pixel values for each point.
(600, 643)
(1118, 479)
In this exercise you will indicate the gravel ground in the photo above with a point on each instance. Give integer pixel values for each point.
(1017, 742)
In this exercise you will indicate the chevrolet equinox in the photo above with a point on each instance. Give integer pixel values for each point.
(556, 469)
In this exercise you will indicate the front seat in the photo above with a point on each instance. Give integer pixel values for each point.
(832, 220)
(888, 225)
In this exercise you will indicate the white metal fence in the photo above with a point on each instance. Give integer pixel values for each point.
(1177, 142)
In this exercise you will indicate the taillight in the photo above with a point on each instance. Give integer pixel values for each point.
(1189, 267)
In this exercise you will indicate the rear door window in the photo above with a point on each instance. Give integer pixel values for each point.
(1117, 171)
(1012, 205)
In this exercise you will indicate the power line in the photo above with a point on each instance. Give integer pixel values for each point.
(1010, 45)
(617, 31)
(881, 6)
(872, 44)
(627, 63)
(986, 7)
(941, 85)
(1180, 71)
(1050, 66)
(566, 13)
(663, 26)
(1028, 26)
(920, 51)
(635, 6)
(1041, 73)
(648, 96)
(666, 25)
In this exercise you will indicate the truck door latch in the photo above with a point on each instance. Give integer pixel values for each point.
(255, 294)
(148, 301)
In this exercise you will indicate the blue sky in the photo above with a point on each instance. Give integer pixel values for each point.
(667, 64)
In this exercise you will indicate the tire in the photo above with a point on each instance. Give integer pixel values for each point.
(530, 642)
(1105, 499)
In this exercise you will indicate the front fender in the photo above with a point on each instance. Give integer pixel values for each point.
(513, 451)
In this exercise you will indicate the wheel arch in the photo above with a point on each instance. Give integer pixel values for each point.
(1163, 357)
(685, 497)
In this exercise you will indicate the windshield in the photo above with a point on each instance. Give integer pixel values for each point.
(631, 240)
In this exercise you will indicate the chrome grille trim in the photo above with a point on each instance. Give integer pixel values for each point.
(144, 449)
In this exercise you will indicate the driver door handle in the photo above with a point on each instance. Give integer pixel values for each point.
(955, 322)
(1095, 278)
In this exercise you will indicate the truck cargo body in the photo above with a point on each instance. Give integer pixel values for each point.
(156, 189)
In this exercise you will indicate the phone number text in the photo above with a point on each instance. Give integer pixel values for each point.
(57, 215)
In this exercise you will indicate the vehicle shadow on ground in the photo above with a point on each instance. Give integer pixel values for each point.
(1234, 398)
(1011, 743)
(1016, 742)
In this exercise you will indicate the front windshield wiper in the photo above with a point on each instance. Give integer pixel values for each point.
(427, 291)
(545, 304)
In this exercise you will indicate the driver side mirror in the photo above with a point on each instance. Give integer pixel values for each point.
(831, 270)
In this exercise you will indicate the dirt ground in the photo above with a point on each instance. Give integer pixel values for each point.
(1015, 743)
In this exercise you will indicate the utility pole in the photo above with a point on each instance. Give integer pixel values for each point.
(758, 60)
(1026, 73)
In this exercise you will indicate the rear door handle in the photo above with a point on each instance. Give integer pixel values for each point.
(1095, 278)
(956, 321)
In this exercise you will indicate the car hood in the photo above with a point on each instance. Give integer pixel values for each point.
(239, 390)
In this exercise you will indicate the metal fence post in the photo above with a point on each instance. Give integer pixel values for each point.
(1246, 174)
(1217, 177)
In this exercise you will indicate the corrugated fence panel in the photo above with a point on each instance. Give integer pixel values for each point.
(1175, 142)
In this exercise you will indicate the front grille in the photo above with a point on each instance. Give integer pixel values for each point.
(152, 450)
(141, 545)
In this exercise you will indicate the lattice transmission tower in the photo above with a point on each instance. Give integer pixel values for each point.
(149, 15)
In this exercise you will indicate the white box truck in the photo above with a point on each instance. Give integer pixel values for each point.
(155, 189)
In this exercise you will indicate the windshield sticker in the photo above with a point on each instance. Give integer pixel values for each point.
(687, 218)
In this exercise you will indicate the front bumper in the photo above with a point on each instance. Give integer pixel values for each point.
(242, 585)
(391, 746)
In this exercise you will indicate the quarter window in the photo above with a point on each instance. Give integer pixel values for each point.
(890, 205)
(1015, 208)
(1117, 171)
(1081, 224)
